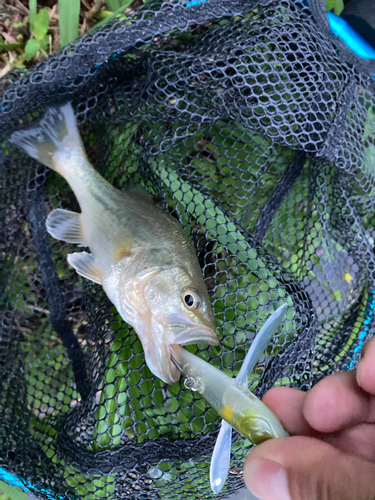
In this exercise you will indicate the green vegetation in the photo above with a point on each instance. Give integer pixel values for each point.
(115, 5)
(33, 33)
(8, 492)
(39, 27)
(68, 20)
(337, 6)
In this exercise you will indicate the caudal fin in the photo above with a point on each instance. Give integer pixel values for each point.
(47, 139)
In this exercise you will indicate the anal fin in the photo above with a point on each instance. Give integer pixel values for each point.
(65, 225)
(85, 265)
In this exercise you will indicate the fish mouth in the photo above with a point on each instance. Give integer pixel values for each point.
(158, 356)
(183, 337)
(195, 336)
(184, 330)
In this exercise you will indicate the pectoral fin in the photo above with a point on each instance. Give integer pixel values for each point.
(65, 225)
(85, 265)
(121, 246)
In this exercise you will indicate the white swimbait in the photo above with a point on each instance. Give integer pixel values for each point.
(231, 398)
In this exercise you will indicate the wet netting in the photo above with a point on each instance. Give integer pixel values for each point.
(253, 126)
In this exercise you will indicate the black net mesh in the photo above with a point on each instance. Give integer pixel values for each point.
(252, 126)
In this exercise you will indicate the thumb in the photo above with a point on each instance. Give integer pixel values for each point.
(302, 468)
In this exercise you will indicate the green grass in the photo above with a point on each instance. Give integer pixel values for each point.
(115, 5)
(68, 20)
(33, 11)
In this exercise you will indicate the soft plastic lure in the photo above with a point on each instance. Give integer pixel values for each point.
(232, 399)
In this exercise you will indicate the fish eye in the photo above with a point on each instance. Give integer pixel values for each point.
(191, 299)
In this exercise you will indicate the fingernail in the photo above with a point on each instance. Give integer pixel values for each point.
(358, 374)
(267, 480)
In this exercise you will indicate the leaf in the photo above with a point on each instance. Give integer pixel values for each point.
(32, 9)
(114, 5)
(41, 24)
(6, 47)
(336, 5)
(44, 44)
(31, 48)
(112, 15)
(339, 7)
(68, 20)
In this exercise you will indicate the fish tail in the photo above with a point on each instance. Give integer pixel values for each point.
(49, 139)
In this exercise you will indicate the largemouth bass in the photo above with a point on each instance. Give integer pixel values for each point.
(139, 254)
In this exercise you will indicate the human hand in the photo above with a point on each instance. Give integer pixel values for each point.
(331, 454)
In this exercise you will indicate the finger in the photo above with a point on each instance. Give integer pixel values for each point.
(366, 367)
(287, 404)
(357, 441)
(302, 468)
(335, 403)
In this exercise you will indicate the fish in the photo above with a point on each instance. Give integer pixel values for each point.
(139, 253)
(231, 398)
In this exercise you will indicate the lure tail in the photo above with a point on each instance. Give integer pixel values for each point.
(221, 455)
(52, 138)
